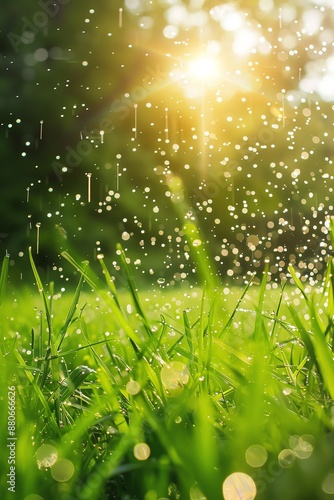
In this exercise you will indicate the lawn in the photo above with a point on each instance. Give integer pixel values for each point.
(195, 393)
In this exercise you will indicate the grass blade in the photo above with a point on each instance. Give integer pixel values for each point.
(71, 311)
(76, 378)
(133, 336)
(133, 290)
(4, 277)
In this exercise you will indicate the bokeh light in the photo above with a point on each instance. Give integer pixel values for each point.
(256, 455)
(286, 458)
(142, 451)
(239, 486)
(328, 484)
(46, 456)
(133, 387)
(174, 377)
(62, 470)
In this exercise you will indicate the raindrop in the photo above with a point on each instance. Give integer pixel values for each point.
(102, 135)
(120, 17)
(89, 176)
(41, 129)
(38, 225)
(125, 236)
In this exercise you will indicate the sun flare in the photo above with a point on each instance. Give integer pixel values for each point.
(203, 68)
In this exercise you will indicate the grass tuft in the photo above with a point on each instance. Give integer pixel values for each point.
(151, 397)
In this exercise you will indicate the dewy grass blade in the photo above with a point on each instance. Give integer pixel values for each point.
(4, 278)
(109, 281)
(133, 290)
(260, 332)
(71, 311)
(41, 291)
(51, 349)
(229, 321)
(133, 336)
(40, 395)
(74, 380)
(298, 282)
(188, 334)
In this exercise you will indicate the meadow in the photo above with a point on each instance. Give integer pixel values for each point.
(183, 393)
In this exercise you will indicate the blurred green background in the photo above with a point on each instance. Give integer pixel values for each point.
(104, 105)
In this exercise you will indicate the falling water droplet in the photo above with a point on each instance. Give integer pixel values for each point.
(38, 225)
(120, 17)
(102, 135)
(89, 176)
(41, 129)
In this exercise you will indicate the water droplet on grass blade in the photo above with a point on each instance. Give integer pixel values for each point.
(38, 225)
(89, 176)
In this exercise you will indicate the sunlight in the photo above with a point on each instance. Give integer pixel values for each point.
(204, 68)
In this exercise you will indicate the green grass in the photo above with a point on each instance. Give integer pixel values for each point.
(163, 394)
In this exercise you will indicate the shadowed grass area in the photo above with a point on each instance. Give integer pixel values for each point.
(164, 394)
